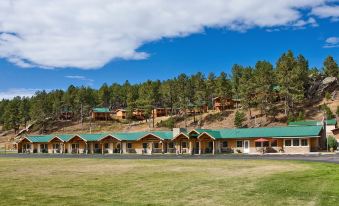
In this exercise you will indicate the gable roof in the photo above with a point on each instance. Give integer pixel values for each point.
(101, 109)
(39, 138)
(302, 131)
(312, 123)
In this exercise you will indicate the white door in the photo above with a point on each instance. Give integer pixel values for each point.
(246, 146)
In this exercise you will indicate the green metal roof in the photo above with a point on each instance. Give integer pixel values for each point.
(64, 137)
(130, 136)
(302, 131)
(312, 123)
(40, 138)
(101, 109)
(93, 137)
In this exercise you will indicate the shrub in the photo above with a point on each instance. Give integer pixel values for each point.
(327, 96)
(240, 117)
(332, 142)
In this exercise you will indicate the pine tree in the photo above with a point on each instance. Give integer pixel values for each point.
(239, 119)
(263, 84)
(223, 88)
(331, 67)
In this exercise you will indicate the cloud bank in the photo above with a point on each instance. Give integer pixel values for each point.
(87, 34)
(14, 92)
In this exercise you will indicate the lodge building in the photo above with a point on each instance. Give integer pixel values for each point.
(289, 140)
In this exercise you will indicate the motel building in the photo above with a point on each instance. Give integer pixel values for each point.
(288, 140)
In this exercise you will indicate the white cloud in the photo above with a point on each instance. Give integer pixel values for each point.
(14, 92)
(332, 42)
(88, 34)
(326, 11)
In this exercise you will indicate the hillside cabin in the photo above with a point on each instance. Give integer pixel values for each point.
(221, 104)
(66, 114)
(193, 109)
(288, 140)
(101, 113)
(139, 114)
(121, 114)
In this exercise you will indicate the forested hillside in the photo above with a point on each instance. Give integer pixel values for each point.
(283, 87)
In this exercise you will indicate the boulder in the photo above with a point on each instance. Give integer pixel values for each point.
(319, 87)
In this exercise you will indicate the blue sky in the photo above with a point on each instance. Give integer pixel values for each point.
(206, 49)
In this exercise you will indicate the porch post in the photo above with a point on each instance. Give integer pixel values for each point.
(38, 148)
(199, 147)
(86, 147)
(162, 147)
(32, 148)
(102, 148)
(213, 149)
(92, 147)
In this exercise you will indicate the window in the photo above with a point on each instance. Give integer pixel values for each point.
(184, 144)
(129, 145)
(257, 144)
(274, 143)
(96, 146)
(266, 144)
(210, 144)
(106, 145)
(156, 145)
(239, 143)
(288, 143)
(170, 145)
(144, 145)
(224, 144)
(296, 142)
(43, 146)
(56, 146)
(304, 142)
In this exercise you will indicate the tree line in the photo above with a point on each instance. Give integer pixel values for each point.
(255, 87)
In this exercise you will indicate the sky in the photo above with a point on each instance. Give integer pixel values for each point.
(52, 44)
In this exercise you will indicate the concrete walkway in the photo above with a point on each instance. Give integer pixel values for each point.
(332, 158)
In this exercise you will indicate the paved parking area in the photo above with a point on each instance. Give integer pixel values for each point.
(333, 158)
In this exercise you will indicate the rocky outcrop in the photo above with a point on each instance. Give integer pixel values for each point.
(319, 87)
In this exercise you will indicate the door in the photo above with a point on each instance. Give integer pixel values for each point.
(196, 148)
(246, 146)
(75, 148)
(144, 147)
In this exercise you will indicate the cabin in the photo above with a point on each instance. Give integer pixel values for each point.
(194, 109)
(221, 104)
(139, 114)
(288, 140)
(121, 114)
(66, 114)
(101, 113)
(161, 112)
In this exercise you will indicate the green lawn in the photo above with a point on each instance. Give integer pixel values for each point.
(166, 182)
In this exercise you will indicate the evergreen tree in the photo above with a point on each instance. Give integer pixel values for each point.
(264, 82)
(24, 111)
(239, 119)
(331, 67)
(223, 88)
(291, 79)
(12, 117)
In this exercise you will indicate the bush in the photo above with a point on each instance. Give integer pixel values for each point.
(329, 113)
(332, 142)
(240, 117)
(327, 96)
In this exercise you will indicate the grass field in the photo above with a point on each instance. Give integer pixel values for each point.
(166, 182)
